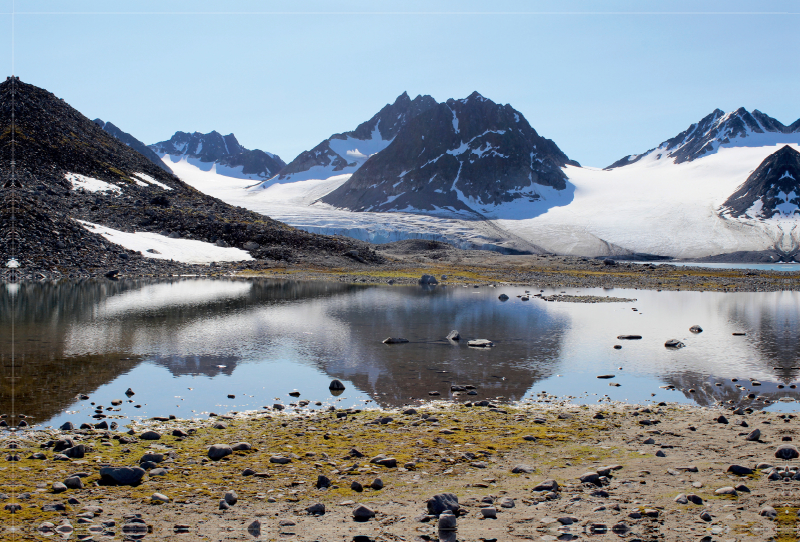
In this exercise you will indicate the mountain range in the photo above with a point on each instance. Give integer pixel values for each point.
(467, 171)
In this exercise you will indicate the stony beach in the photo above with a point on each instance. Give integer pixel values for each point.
(539, 470)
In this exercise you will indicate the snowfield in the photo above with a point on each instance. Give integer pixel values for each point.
(652, 206)
(180, 250)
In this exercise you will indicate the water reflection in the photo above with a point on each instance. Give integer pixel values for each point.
(186, 345)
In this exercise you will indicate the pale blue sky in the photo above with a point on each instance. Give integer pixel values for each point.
(601, 78)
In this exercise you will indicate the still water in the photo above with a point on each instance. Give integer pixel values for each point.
(184, 346)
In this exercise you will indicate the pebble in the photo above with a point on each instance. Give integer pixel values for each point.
(159, 497)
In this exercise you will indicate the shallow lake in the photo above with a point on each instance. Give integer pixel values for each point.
(185, 345)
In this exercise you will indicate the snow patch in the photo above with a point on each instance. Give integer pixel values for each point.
(180, 250)
(149, 179)
(90, 184)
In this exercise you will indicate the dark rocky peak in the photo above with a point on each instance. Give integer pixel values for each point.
(771, 191)
(347, 151)
(391, 118)
(133, 143)
(457, 155)
(213, 147)
(718, 129)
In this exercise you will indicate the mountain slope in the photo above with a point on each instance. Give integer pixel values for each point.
(772, 190)
(59, 168)
(224, 153)
(346, 152)
(461, 155)
(718, 129)
(133, 143)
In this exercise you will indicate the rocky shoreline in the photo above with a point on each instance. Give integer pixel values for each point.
(541, 470)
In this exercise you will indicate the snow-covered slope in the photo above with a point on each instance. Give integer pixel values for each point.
(346, 152)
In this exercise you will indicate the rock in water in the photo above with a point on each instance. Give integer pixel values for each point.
(674, 344)
(336, 385)
(696, 329)
(454, 335)
(428, 279)
(502, 297)
(480, 343)
(394, 340)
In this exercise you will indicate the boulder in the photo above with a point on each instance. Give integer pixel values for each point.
(123, 476)
(336, 385)
(480, 343)
(394, 340)
(522, 469)
(674, 344)
(363, 513)
(454, 335)
(786, 451)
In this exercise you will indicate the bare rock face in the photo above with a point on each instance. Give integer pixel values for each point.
(461, 150)
(772, 190)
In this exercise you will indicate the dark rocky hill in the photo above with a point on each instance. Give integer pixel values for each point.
(470, 149)
(43, 139)
(379, 131)
(133, 143)
(714, 130)
(224, 150)
(773, 189)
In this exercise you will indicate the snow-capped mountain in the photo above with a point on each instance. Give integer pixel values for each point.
(133, 143)
(224, 154)
(460, 155)
(738, 128)
(772, 189)
(346, 152)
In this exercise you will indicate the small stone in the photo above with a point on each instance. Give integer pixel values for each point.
(727, 490)
(254, 529)
(231, 497)
(218, 451)
(58, 487)
(489, 512)
(768, 512)
(454, 335)
(696, 329)
(150, 435)
(705, 516)
(356, 486)
(674, 344)
(547, 485)
(740, 470)
(241, 446)
(124, 476)
(480, 343)
(394, 340)
(441, 502)
(590, 478)
(376, 484)
(522, 469)
(316, 509)
(660, 453)
(160, 497)
(786, 451)
(721, 419)
(681, 499)
(73, 482)
(323, 481)
(223, 505)
(507, 502)
(362, 513)
(694, 499)
(336, 385)
(754, 435)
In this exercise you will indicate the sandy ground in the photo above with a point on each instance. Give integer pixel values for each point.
(652, 455)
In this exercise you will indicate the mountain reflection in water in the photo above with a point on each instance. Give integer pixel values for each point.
(186, 344)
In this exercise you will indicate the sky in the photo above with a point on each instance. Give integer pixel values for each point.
(603, 79)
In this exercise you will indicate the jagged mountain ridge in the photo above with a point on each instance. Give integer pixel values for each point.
(458, 155)
(132, 142)
(346, 152)
(713, 131)
(67, 168)
(772, 190)
(222, 150)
